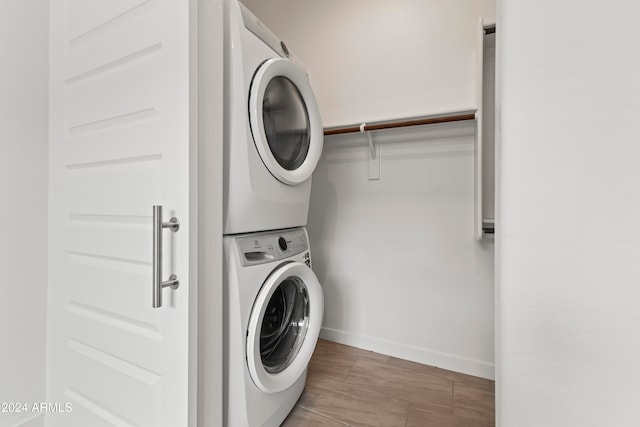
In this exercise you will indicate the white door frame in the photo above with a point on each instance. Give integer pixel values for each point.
(206, 117)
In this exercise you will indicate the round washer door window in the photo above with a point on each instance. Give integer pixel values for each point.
(285, 121)
(284, 327)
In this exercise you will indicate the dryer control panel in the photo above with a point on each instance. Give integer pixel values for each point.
(253, 24)
(270, 247)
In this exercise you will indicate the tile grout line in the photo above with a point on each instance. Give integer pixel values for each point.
(453, 396)
(315, 411)
(351, 369)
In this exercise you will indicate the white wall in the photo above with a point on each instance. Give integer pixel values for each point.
(569, 342)
(401, 271)
(23, 188)
(372, 60)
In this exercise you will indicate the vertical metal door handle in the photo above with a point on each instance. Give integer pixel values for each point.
(158, 284)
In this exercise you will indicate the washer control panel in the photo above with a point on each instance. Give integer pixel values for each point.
(269, 247)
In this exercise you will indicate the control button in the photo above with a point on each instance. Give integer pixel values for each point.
(282, 243)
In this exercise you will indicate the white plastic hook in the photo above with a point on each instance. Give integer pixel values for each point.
(374, 160)
(372, 149)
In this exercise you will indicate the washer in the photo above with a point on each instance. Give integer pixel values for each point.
(273, 131)
(274, 306)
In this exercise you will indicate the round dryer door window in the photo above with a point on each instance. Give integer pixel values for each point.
(284, 327)
(285, 121)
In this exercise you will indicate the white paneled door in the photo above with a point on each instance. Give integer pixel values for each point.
(119, 126)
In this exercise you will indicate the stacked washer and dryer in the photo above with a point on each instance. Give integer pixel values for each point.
(273, 301)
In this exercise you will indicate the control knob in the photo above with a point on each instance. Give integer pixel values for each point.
(282, 243)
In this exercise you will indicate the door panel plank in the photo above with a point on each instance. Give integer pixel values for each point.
(126, 242)
(119, 142)
(95, 374)
(88, 19)
(132, 97)
(113, 287)
(126, 187)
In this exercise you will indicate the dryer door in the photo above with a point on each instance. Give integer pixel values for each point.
(285, 121)
(284, 326)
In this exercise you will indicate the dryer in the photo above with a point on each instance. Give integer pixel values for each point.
(273, 131)
(273, 312)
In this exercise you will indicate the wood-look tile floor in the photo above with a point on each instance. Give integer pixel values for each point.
(347, 386)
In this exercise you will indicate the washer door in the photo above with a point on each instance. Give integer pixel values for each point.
(284, 326)
(285, 121)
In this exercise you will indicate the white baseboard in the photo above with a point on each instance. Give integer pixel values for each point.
(415, 354)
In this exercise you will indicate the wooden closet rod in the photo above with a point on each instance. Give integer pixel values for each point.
(401, 123)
